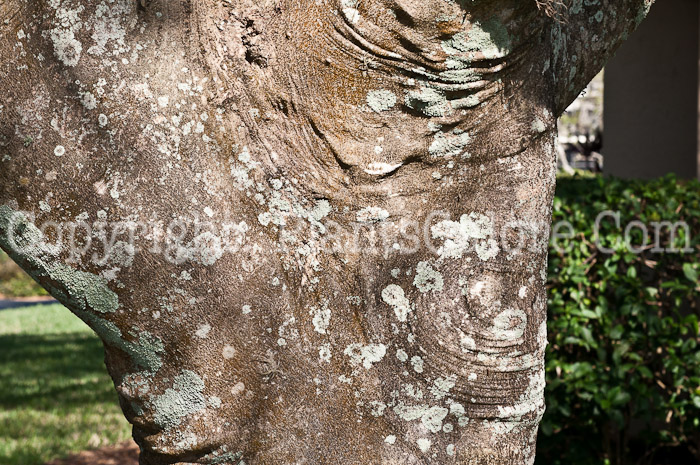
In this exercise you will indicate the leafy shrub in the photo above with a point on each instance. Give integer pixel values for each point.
(623, 364)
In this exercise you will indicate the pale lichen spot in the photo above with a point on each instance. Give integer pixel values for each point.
(324, 353)
(394, 296)
(401, 355)
(350, 12)
(366, 355)
(522, 292)
(538, 126)
(321, 318)
(237, 389)
(424, 444)
(228, 352)
(433, 417)
(473, 230)
(509, 325)
(377, 408)
(417, 363)
(467, 343)
(372, 215)
(427, 278)
(203, 331)
(449, 145)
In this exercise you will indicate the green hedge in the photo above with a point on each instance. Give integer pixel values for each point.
(623, 364)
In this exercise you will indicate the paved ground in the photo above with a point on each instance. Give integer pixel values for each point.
(126, 453)
(6, 302)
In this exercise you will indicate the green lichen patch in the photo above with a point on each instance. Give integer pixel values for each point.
(381, 100)
(183, 399)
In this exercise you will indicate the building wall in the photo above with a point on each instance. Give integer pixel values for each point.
(651, 96)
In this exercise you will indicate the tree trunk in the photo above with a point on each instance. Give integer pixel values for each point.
(307, 231)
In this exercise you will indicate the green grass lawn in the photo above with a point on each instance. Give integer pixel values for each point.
(55, 394)
(14, 282)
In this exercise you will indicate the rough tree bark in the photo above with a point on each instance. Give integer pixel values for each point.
(348, 180)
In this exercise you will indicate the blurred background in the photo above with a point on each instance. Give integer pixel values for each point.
(623, 364)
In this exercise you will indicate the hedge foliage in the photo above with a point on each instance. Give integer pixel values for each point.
(623, 364)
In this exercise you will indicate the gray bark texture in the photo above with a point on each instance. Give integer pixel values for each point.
(295, 223)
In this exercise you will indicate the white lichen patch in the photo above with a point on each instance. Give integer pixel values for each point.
(112, 17)
(394, 296)
(228, 352)
(431, 102)
(522, 293)
(538, 126)
(441, 386)
(324, 353)
(203, 331)
(349, 8)
(417, 364)
(490, 38)
(207, 248)
(372, 215)
(472, 231)
(365, 355)
(67, 48)
(237, 389)
(401, 355)
(88, 100)
(427, 279)
(457, 410)
(424, 445)
(377, 408)
(531, 400)
(59, 151)
(467, 343)
(321, 210)
(433, 417)
(321, 318)
(122, 254)
(241, 168)
(509, 325)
